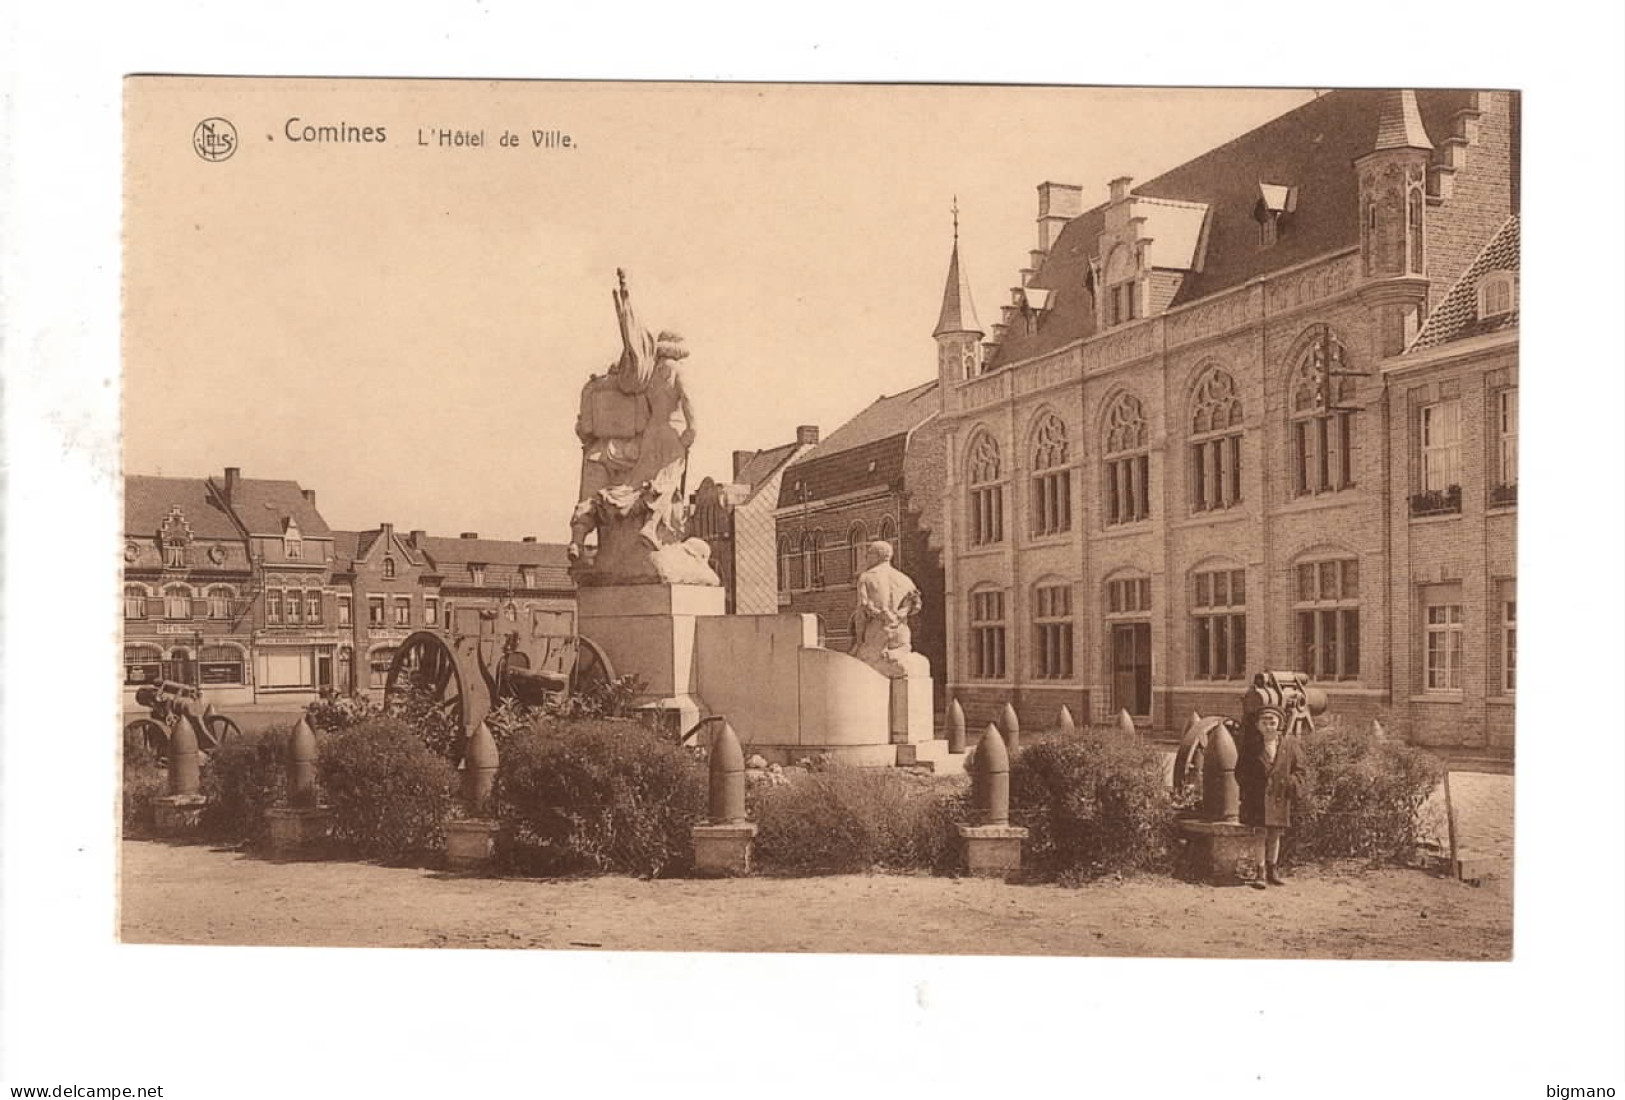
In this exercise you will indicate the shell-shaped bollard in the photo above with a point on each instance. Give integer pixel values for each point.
(990, 779)
(302, 765)
(1221, 796)
(956, 727)
(1125, 723)
(480, 761)
(727, 778)
(209, 712)
(185, 771)
(1010, 726)
(1065, 723)
(1377, 732)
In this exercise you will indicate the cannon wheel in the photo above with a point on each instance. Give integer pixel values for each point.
(426, 661)
(591, 671)
(154, 736)
(221, 729)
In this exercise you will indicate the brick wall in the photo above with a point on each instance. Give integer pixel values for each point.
(1482, 191)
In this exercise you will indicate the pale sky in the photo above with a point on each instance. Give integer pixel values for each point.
(406, 329)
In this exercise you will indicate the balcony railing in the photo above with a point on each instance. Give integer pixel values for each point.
(1502, 496)
(1436, 502)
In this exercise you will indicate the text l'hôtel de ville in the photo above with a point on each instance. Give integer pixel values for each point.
(299, 130)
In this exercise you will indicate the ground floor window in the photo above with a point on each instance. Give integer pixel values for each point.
(1327, 609)
(221, 665)
(143, 664)
(987, 635)
(1443, 638)
(1508, 648)
(378, 662)
(288, 669)
(1219, 624)
(1131, 667)
(1052, 626)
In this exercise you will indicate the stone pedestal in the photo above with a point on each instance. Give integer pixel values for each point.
(647, 630)
(177, 814)
(296, 829)
(913, 716)
(473, 844)
(991, 851)
(723, 849)
(1221, 853)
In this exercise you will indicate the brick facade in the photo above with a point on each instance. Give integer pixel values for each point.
(1183, 436)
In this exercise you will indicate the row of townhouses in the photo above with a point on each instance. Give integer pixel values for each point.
(239, 586)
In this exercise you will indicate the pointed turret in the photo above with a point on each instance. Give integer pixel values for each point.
(1399, 123)
(958, 333)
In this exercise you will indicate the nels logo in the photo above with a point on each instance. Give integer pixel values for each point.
(215, 139)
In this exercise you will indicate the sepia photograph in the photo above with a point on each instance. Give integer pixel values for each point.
(1128, 538)
(682, 551)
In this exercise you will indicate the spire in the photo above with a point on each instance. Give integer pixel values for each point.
(1399, 123)
(958, 312)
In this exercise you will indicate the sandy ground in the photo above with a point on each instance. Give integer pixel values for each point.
(194, 894)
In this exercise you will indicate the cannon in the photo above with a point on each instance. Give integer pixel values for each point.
(489, 654)
(1290, 692)
(169, 702)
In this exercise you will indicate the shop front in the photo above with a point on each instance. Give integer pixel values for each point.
(294, 668)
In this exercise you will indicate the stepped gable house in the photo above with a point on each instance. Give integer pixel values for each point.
(1180, 453)
(864, 483)
(736, 520)
(187, 579)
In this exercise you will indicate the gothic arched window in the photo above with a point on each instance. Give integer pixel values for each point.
(986, 491)
(1322, 431)
(1052, 478)
(1127, 468)
(1216, 416)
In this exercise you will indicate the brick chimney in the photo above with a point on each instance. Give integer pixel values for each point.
(1058, 203)
(386, 533)
(528, 538)
(469, 535)
(234, 474)
(310, 496)
(417, 537)
(806, 435)
(741, 458)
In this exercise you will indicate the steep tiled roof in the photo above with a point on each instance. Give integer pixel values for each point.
(261, 505)
(1311, 148)
(1456, 318)
(345, 546)
(147, 501)
(878, 435)
(502, 557)
(761, 465)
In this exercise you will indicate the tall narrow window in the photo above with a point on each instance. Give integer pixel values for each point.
(375, 611)
(1322, 438)
(787, 557)
(1052, 631)
(1216, 443)
(986, 499)
(888, 534)
(177, 602)
(1441, 445)
(403, 611)
(431, 611)
(1509, 638)
(1443, 638)
(1219, 624)
(1416, 236)
(476, 574)
(293, 608)
(389, 569)
(219, 600)
(1326, 605)
(987, 635)
(1505, 406)
(857, 541)
(313, 608)
(273, 605)
(174, 555)
(1052, 481)
(812, 549)
(1128, 644)
(135, 602)
(346, 610)
(1126, 473)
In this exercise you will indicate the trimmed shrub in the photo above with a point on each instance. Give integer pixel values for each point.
(389, 793)
(853, 820)
(242, 779)
(336, 712)
(1095, 803)
(1362, 798)
(144, 780)
(600, 795)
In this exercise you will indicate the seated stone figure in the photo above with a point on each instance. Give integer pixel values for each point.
(887, 599)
